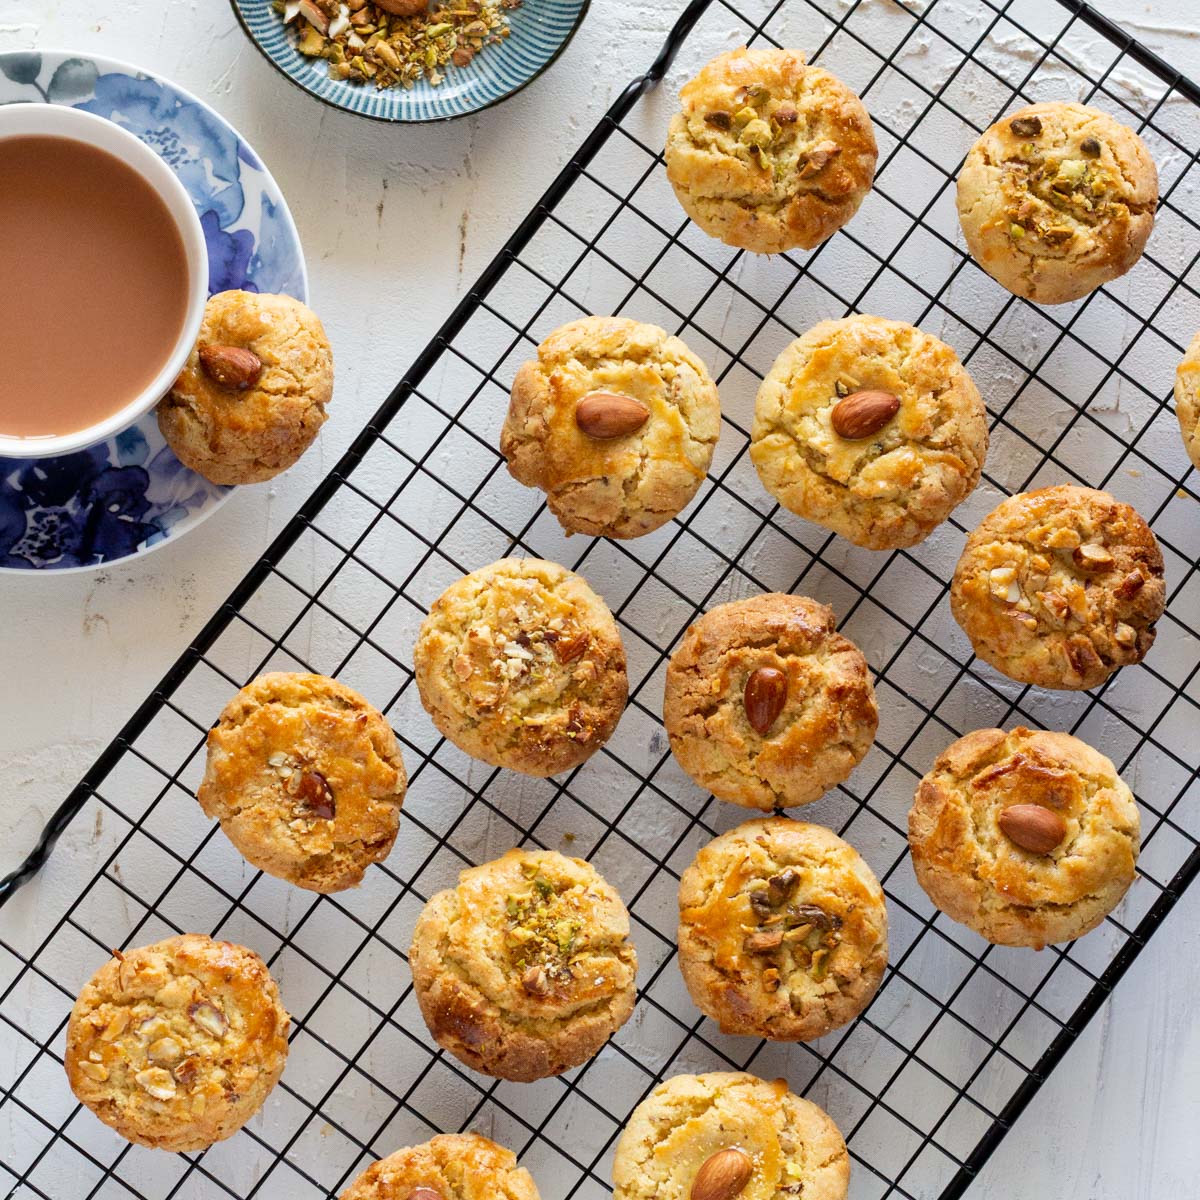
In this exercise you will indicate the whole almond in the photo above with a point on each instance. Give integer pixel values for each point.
(233, 367)
(1091, 557)
(610, 415)
(1033, 827)
(722, 1176)
(764, 698)
(423, 1193)
(863, 414)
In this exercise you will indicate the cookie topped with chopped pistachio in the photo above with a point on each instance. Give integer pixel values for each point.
(1060, 587)
(525, 968)
(520, 664)
(176, 1045)
(306, 779)
(768, 153)
(1057, 199)
(782, 930)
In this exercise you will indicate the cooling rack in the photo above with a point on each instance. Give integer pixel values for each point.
(961, 1034)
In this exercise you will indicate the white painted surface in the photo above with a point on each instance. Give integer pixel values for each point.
(396, 223)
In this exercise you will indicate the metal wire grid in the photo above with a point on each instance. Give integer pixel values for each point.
(961, 1034)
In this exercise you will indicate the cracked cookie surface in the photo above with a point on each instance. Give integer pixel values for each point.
(176, 1045)
(1060, 587)
(793, 1146)
(824, 725)
(769, 154)
(979, 876)
(782, 930)
(233, 437)
(1187, 399)
(1056, 199)
(454, 1166)
(306, 779)
(525, 968)
(612, 486)
(520, 665)
(891, 488)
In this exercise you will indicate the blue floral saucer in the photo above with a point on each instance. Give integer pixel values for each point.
(128, 495)
(540, 31)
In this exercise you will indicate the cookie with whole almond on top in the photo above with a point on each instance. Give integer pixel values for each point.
(1028, 837)
(871, 428)
(616, 421)
(451, 1166)
(306, 779)
(766, 705)
(728, 1135)
(252, 396)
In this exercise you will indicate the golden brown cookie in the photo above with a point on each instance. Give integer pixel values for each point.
(782, 930)
(1027, 837)
(1057, 199)
(766, 705)
(1060, 587)
(767, 153)
(870, 428)
(520, 664)
(615, 421)
(1187, 399)
(306, 779)
(452, 1166)
(694, 1130)
(252, 396)
(176, 1045)
(525, 968)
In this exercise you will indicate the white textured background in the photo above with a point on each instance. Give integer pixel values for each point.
(396, 224)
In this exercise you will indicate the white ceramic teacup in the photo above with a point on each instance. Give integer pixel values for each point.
(53, 120)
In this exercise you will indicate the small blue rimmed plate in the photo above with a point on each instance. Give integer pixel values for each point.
(540, 31)
(124, 497)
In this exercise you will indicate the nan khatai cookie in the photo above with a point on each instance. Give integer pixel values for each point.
(306, 779)
(766, 705)
(1057, 199)
(252, 396)
(520, 664)
(176, 1045)
(452, 1166)
(1187, 399)
(727, 1134)
(525, 968)
(616, 422)
(1060, 587)
(870, 428)
(1027, 837)
(782, 930)
(767, 153)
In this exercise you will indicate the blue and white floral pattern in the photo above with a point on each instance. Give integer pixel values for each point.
(541, 30)
(125, 496)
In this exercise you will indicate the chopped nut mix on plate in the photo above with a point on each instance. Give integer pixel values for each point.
(394, 42)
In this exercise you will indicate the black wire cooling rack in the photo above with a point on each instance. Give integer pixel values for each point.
(926, 1083)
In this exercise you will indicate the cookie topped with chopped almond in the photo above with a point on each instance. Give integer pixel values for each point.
(306, 779)
(176, 1045)
(525, 968)
(520, 664)
(782, 930)
(1057, 199)
(768, 153)
(1060, 587)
